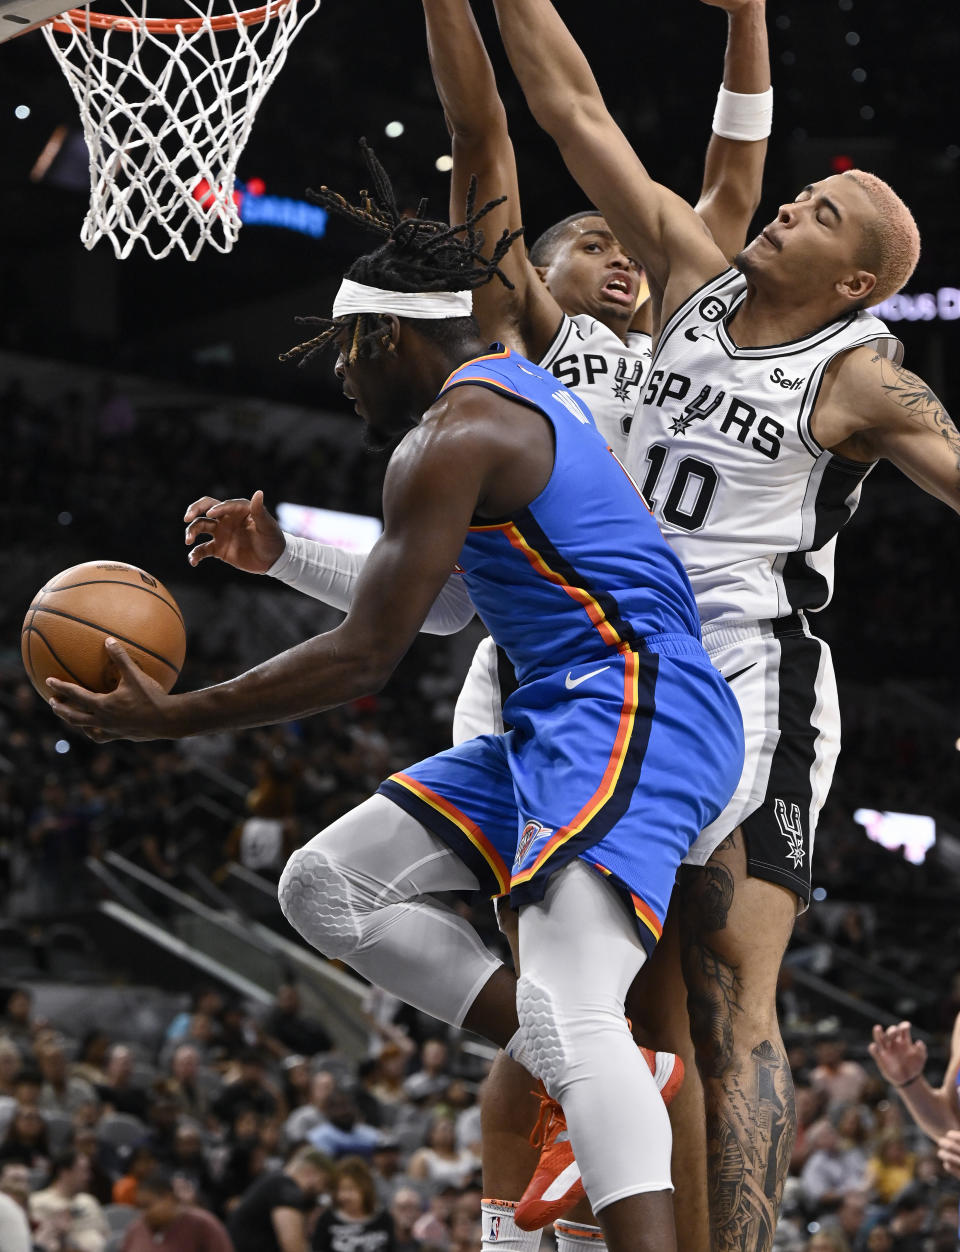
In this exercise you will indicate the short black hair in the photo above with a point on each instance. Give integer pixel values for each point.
(419, 254)
(159, 1181)
(542, 251)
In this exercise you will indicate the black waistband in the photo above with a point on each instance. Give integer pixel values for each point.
(792, 625)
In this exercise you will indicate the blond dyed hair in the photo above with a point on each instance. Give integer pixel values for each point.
(892, 244)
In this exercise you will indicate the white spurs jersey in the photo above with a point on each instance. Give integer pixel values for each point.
(722, 451)
(603, 371)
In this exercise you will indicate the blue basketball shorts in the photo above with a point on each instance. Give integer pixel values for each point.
(621, 761)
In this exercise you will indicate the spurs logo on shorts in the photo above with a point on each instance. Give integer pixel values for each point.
(791, 827)
(531, 831)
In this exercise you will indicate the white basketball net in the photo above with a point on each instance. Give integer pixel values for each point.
(167, 115)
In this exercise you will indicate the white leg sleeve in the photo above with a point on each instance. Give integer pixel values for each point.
(360, 892)
(478, 710)
(579, 953)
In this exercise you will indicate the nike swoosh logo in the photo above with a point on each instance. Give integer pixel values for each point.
(569, 682)
(691, 334)
(733, 677)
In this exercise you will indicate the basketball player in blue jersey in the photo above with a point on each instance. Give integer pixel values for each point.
(771, 394)
(625, 741)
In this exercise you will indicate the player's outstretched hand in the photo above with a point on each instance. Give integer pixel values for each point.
(135, 708)
(899, 1057)
(948, 1150)
(242, 533)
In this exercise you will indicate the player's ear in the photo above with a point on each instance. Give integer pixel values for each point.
(856, 287)
(542, 273)
(393, 331)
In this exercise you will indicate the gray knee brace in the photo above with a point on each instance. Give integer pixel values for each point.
(542, 1037)
(322, 903)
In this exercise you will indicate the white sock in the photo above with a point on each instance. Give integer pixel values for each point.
(501, 1231)
(578, 1237)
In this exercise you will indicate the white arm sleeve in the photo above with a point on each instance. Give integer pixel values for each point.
(330, 574)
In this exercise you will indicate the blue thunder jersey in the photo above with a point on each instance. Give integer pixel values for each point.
(582, 572)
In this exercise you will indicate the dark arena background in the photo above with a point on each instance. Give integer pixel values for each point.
(139, 908)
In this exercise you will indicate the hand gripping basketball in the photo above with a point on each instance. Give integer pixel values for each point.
(134, 709)
(242, 533)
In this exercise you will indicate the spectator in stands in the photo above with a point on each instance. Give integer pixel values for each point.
(386, 1080)
(15, 1182)
(67, 1197)
(142, 1161)
(891, 1168)
(440, 1160)
(104, 1162)
(246, 1161)
(879, 1239)
(120, 1092)
(162, 1125)
(11, 1063)
(205, 1000)
(842, 1080)
(909, 1220)
(184, 1086)
(849, 1216)
(354, 1219)
(832, 1170)
(466, 1233)
(433, 1226)
(92, 1058)
(431, 1079)
(26, 1140)
(406, 1209)
(237, 1034)
(250, 1089)
(295, 1080)
(827, 1241)
(308, 1116)
(272, 1216)
(387, 1168)
(290, 1027)
(60, 1092)
(189, 1161)
(343, 1134)
(16, 1020)
(171, 1224)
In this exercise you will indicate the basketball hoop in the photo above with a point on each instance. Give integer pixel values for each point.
(167, 106)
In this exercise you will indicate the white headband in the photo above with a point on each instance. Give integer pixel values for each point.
(359, 298)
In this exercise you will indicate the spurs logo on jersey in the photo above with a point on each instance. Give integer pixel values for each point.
(605, 372)
(791, 827)
(722, 448)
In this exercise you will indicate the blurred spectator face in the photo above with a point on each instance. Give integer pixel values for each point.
(96, 1048)
(288, 999)
(160, 1207)
(434, 1057)
(52, 1063)
(894, 1151)
(349, 1197)
(189, 1143)
(830, 1053)
(313, 1180)
(405, 1209)
(251, 1072)
(322, 1087)
(15, 1181)
(392, 1063)
(442, 1203)
(386, 1160)
(120, 1065)
(86, 1115)
(163, 1115)
(246, 1125)
(850, 1124)
(442, 1135)
(18, 1007)
(466, 1234)
(184, 1063)
(26, 1092)
(9, 1062)
(28, 1125)
(77, 1177)
(880, 1239)
(341, 1110)
(201, 1028)
(851, 1212)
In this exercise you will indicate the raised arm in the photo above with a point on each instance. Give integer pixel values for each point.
(433, 484)
(527, 317)
(733, 172)
(901, 1060)
(650, 221)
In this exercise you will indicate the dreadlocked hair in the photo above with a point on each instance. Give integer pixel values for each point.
(418, 254)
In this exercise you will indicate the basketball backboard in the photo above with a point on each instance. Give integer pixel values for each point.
(19, 16)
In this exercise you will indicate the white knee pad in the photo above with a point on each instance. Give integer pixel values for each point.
(321, 902)
(541, 1031)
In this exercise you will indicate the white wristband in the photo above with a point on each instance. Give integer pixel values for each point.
(743, 117)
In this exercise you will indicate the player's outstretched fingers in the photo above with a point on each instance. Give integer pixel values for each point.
(202, 525)
(199, 507)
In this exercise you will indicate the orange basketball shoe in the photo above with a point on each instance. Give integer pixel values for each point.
(556, 1185)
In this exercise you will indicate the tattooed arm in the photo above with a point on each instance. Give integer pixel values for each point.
(871, 408)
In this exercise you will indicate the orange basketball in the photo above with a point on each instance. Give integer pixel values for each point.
(69, 619)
